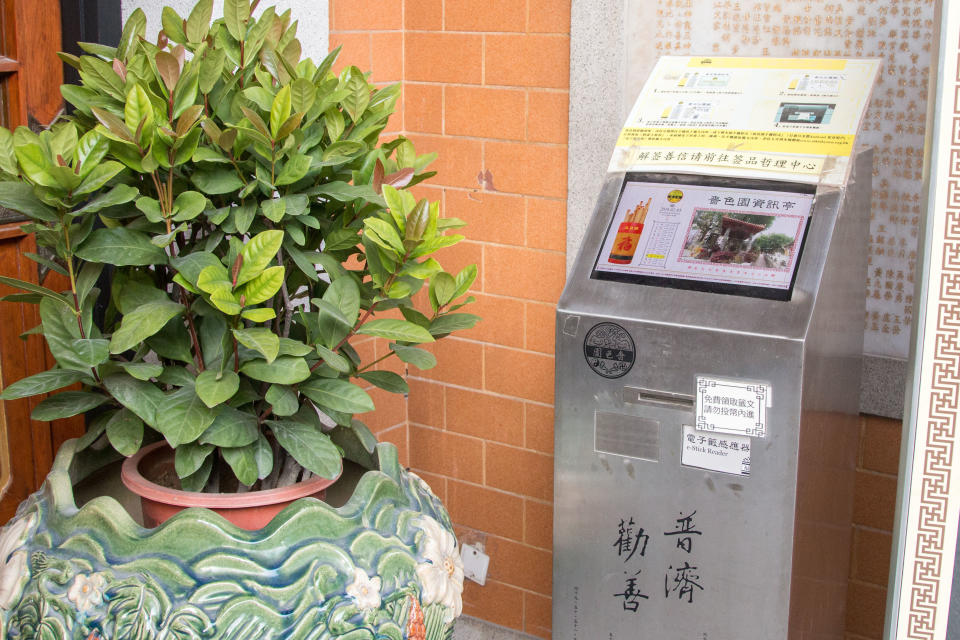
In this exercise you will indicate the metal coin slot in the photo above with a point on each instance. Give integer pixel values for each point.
(628, 436)
(635, 395)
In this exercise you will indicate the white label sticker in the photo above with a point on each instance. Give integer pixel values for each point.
(715, 452)
(732, 406)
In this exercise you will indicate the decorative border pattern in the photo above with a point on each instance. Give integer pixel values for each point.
(927, 570)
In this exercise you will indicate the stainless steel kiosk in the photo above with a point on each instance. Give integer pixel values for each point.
(707, 388)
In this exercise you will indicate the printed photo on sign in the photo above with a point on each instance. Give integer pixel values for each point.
(747, 241)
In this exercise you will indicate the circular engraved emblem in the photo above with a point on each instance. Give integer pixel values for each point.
(609, 350)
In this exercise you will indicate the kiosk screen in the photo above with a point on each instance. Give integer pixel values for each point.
(739, 237)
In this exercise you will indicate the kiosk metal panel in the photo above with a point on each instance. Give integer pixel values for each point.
(738, 529)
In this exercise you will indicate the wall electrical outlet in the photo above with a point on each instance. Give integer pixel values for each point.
(475, 563)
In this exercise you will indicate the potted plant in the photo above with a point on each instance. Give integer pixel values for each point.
(230, 223)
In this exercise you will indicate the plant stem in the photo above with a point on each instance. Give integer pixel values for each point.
(377, 361)
(185, 301)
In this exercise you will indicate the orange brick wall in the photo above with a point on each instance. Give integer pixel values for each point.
(486, 85)
(873, 510)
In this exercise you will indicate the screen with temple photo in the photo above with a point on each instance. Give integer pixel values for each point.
(705, 234)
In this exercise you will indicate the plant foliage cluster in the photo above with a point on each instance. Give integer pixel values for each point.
(251, 225)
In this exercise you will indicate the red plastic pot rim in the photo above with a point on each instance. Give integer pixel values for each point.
(133, 480)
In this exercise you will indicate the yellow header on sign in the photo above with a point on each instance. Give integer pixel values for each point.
(813, 64)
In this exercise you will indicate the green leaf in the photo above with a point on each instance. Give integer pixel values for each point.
(19, 197)
(190, 457)
(198, 24)
(283, 400)
(264, 286)
(236, 13)
(419, 358)
(260, 339)
(453, 322)
(464, 280)
(386, 380)
(384, 234)
(143, 398)
(243, 462)
(310, 447)
(338, 395)
(99, 176)
(294, 169)
(258, 315)
(66, 404)
(184, 417)
(172, 25)
(302, 261)
(258, 253)
(344, 294)
(264, 457)
(138, 111)
(133, 29)
(280, 110)
(189, 205)
(274, 209)
(243, 216)
(400, 330)
(303, 94)
(142, 370)
(283, 370)
(92, 352)
(231, 428)
(359, 95)
(291, 347)
(192, 264)
(214, 277)
(357, 443)
(442, 288)
(43, 382)
(197, 480)
(35, 288)
(125, 432)
(120, 194)
(335, 360)
(342, 151)
(143, 322)
(215, 387)
(216, 181)
(121, 247)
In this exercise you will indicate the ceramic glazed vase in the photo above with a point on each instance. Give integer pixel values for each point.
(385, 566)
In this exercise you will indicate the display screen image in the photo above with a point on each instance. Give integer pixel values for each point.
(805, 113)
(700, 233)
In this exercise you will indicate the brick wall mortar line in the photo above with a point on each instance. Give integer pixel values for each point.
(447, 479)
(484, 391)
(481, 440)
(474, 85)
(541, 145)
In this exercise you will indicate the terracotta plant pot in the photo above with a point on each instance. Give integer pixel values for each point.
(385, 565)
(253, 510)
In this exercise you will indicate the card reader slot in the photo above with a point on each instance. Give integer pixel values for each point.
(636, 395)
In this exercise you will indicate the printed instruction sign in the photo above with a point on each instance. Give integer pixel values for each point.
(721, 235)
(732, 406)
(714, 452)
(755, 116)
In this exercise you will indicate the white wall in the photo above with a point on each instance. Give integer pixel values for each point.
(313, 30)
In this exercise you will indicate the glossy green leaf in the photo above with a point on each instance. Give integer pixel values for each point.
(143, 398)
(172, 25)
(125, 432)
(138, 111)
(386, 380)
(143, 322)
(283, 400)
(419, 358)
(91, 351)
(99, 176)
(66, 404)
(260, 339)
(295, 168)
(35, 288)
(453, 322)
(19, 197)
(243, 462)
(216, 181)
(216, 387)
(283, 370)
(338, 395)
(188, 205)
(344, 294)
(142, 370)
(309, 446)
(335, 360)
(184, 417)
(190, 457)
(43, 382)
(120, 194)
(257, 253)
(121, 247)
(258, 315)
(231, 428)
(399, 330)
(359, 95)
(280, 110)
(236, 13)
(264, 286)
(198, 24)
